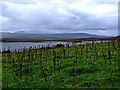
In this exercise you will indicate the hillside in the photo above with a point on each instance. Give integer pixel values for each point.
(21, 36)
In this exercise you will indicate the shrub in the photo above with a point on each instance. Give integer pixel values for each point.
(59, 45)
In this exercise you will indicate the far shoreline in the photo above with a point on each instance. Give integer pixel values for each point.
(65, 40)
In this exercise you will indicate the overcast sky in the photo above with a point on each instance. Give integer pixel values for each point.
(60, 16)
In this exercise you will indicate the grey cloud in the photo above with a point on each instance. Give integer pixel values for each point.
(48, 19)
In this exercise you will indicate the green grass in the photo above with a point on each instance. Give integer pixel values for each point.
(88, 66)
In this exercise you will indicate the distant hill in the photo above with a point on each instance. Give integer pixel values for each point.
(62, 36)
(118, 36)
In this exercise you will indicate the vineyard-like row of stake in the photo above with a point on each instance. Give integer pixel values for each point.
(52, 64)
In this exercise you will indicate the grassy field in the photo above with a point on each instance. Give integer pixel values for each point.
(84, 66)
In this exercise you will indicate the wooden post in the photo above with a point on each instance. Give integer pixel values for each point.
(21, 71)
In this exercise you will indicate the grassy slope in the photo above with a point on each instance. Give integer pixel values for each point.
(73, 70)
(0, 71)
